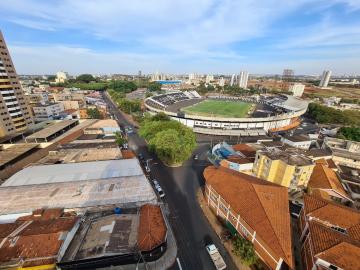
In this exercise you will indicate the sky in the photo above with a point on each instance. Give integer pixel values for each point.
(182, 36)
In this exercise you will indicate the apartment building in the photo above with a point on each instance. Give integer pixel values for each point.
(48, 111)
(257, 209)
(329, 235)
(15, 114)
(289, 168)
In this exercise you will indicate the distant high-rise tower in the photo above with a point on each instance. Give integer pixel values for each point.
(243, 79)
(221, 81)
(288, 75)
(325, 78)
(232, 80)
(139, 74)
(209, 78)
(15, 114)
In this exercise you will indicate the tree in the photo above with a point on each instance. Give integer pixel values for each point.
(245, 250)
(86, 78)
(129, 106)
(349, 133)
(154, 86)
(119, 139)
(94, 113)
(172, 142)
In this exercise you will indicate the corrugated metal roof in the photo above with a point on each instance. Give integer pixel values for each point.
(81, 171)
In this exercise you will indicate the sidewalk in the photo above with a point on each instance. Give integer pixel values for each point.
(219, 228)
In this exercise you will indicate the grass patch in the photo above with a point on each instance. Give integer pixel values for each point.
(221, 108)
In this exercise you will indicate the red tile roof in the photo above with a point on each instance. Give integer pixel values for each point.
(152, 228)
(329, 212)
(36, 239)
(325, 178)
(262, 204)
(326, 221)
(245, 149)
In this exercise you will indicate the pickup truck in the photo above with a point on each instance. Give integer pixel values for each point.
(216, 257)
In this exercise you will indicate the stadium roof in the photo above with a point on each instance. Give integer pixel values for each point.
(82, 171)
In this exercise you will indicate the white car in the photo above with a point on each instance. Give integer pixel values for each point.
(155, 182)
(147, 168)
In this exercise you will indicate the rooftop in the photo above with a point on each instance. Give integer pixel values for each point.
(246, 150)
(81, 171)
(69, 155)
(52, 129)
(15, 151)
(325, 178)
(152, 228)
(34, 240)
(289, 156)
(262, 204)
(121, 191)
(316, 153)
(297, 138)
(105, 123)
(338, 248)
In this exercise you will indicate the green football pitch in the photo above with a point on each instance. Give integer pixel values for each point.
(221, 108)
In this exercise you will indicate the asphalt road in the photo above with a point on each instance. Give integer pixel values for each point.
(180, 185)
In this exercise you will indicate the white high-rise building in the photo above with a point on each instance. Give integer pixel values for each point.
(325, 78)
(209, 78)
(222, 82)
(232, 80)
(297, 89)
(243, 79)
(61, 77)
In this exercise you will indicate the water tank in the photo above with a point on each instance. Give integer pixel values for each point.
(117, 210)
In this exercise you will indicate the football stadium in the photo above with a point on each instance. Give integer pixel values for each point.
(230, 116)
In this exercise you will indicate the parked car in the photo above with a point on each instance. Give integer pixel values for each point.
(141, 157)
(160, 191)
(147, 168)
(196, 157)
(155, 182)
(216, 257)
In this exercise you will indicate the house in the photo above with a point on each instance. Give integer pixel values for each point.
(330, 235)
(257, 209)
(325, 183)
(297, 141)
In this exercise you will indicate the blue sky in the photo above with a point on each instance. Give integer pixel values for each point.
(182, 36)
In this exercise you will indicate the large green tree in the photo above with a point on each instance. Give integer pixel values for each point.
(328, 115)
(349, 133)
(172, 142)
(245, 250)
(154, 86)
(86, 78)
(94, 113)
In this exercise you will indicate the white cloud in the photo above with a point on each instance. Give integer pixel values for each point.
(200, 33)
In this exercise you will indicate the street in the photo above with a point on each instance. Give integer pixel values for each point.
(180, 185)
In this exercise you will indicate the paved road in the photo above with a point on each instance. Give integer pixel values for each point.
(190, 226)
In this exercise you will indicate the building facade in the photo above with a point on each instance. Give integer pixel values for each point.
(325, 78)
(15, 115)
(288, 169)
(47, 111)
(243, 79)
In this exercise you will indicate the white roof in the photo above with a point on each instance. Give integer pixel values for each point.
(81, 171)
(122, 192)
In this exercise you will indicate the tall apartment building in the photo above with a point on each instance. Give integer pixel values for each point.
(243, 79)
(15, 114)
(288, 168)
(325, 78)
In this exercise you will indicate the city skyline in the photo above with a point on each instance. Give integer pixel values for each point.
(206, 37)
